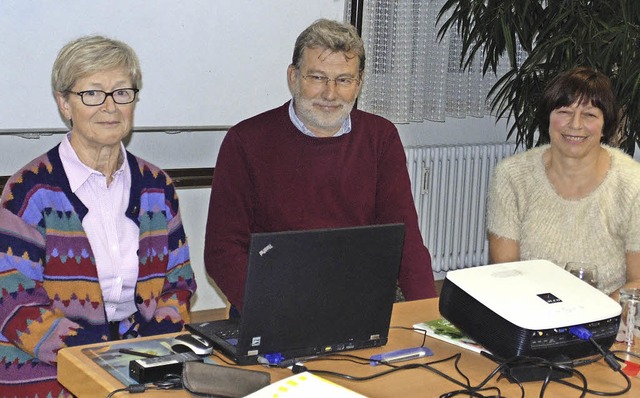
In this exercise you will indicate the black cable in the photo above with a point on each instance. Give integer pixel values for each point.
(466, 385)
(461, 373)
(600, 393)
(583, 387)
(608, 356)
(500, 368)
(223, 359)
(467, 388)
(424, 341)
(467, 393)
(131, 389)
(395, 368)
(344, 357)
(611, 360)
(574, 372)
(169, 382)
(582, 362)
(424, 332)
(114, 392)
(631, 354)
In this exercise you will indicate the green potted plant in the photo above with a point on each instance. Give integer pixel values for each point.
(556, 35)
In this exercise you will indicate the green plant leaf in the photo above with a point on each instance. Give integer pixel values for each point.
(556, 35)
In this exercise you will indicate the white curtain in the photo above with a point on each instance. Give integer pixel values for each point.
(412, 76)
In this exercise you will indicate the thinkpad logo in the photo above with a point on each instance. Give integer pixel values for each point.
(265, 250)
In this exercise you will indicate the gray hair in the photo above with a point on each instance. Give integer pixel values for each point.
(92, 54)
(331, 35)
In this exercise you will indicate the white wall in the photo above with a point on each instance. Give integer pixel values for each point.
(204, 62)
(187, 149)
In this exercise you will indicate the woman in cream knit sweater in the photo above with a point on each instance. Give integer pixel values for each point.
(574, 199)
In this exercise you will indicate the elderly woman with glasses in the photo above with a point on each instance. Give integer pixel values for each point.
(92, 246)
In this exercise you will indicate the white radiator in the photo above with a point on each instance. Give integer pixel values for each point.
(449, 186)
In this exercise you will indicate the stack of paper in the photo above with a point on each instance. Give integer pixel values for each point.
(304, 385)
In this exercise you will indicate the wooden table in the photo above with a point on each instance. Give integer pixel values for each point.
(84, 378)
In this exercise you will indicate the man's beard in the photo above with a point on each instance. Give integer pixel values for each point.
(316, 119)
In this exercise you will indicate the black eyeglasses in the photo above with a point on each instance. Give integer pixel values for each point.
(98, 97)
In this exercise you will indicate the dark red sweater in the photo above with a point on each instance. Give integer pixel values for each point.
(271, 177)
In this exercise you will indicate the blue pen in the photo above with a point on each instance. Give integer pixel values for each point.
(405, 354)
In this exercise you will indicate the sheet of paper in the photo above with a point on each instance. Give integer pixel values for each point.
(442, 329)
(305, 385)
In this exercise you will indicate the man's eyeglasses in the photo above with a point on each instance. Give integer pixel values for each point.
(321, 81)
(98, 97)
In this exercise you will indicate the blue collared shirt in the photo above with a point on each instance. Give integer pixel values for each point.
(346, 125)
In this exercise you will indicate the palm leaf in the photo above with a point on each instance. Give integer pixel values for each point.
(557, 35)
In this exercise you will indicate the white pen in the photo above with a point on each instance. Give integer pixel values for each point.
(405, 354)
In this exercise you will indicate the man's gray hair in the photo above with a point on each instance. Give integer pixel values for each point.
(331, 35)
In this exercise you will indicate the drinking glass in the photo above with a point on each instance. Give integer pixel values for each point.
(586, 271)
(629, 332)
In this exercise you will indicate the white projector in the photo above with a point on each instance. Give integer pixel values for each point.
(525, 308)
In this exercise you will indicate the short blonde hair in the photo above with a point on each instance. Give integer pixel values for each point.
(92, 54)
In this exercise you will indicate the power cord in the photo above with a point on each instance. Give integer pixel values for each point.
(422, 331)
(466, 388)
(584, 334)
(611, 360)
(131, 389)
(224, 360)
(568, 368)
(168, 382)
(552, 368)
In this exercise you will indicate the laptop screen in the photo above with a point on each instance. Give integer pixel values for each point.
(321, 290)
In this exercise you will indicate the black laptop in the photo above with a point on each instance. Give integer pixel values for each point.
(312, 292)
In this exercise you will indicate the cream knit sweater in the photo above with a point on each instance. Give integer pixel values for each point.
(599, 228)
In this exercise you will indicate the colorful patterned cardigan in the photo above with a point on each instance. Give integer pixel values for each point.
(51, 297)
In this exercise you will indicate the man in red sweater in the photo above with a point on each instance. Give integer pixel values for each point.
(314, 162)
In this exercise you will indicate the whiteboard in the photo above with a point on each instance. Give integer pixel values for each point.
(204, 62)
